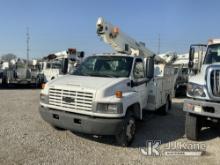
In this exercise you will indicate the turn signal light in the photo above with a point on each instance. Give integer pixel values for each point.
(118, 94)
(116, 30)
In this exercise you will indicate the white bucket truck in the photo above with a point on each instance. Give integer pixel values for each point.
(20, 71)
(108, 92)
(60, 63)
(202, 107)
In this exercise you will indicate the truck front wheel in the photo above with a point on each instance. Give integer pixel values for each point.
(192, 126)
(127, 133)
(4, 81)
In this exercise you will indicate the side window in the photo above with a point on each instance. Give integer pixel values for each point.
(48, 65)
(138, 69)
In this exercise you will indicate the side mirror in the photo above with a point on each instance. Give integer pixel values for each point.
(191, 57)
(150, 68)
(81, 54)
(132, 83)
(65, 66)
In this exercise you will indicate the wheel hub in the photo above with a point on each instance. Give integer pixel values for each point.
(130, 129)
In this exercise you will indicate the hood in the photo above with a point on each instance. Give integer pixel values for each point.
(85, 81)
(200, 77)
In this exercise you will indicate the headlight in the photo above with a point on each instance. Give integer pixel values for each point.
(44, 98)
(110, 108)
(195, 90)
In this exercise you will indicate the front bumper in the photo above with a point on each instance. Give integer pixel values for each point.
(209, 109)
(81, 123)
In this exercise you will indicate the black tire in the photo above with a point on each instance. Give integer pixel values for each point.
(170, 103)
(126, 135)
(4, 82)
(192, 126)
(165, 108)
(58, 128)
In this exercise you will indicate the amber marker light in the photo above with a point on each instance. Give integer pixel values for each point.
(116, 30)
(118, 94)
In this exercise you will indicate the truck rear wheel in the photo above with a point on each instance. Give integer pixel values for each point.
(58, 128)
(165, 108)
(126, 135)
(4, 81)
(192, 126)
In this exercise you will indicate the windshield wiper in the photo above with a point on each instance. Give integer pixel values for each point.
(81, 74)
(109, 76)
(95, 75)
(98, 75)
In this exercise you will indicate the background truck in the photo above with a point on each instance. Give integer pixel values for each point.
(181, 68)
(21, 71)
(180, 65)
(60, 63)
(107, 93)
(202, 107)
(3, 65)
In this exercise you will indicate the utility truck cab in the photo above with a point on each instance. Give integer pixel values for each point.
(203, 105)
(60, 63)
(52, 69)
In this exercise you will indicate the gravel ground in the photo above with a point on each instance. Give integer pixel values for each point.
(26, 139)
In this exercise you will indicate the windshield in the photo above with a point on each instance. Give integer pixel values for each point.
(212, 54)
(54, 65)
(185, 71)
(105, 66)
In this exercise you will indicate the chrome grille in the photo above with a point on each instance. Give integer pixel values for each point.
(213, 82)
(73, 100)
(215, 85)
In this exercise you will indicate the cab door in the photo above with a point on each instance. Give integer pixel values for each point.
(140, 81)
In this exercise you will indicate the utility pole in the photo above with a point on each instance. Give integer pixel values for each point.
(158, 51)
(28, 46)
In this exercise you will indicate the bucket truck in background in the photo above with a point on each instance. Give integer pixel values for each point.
(180, 64)
(20, 71)
(181, 70)
(168, 57)
(60, 63)
(107, 93)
